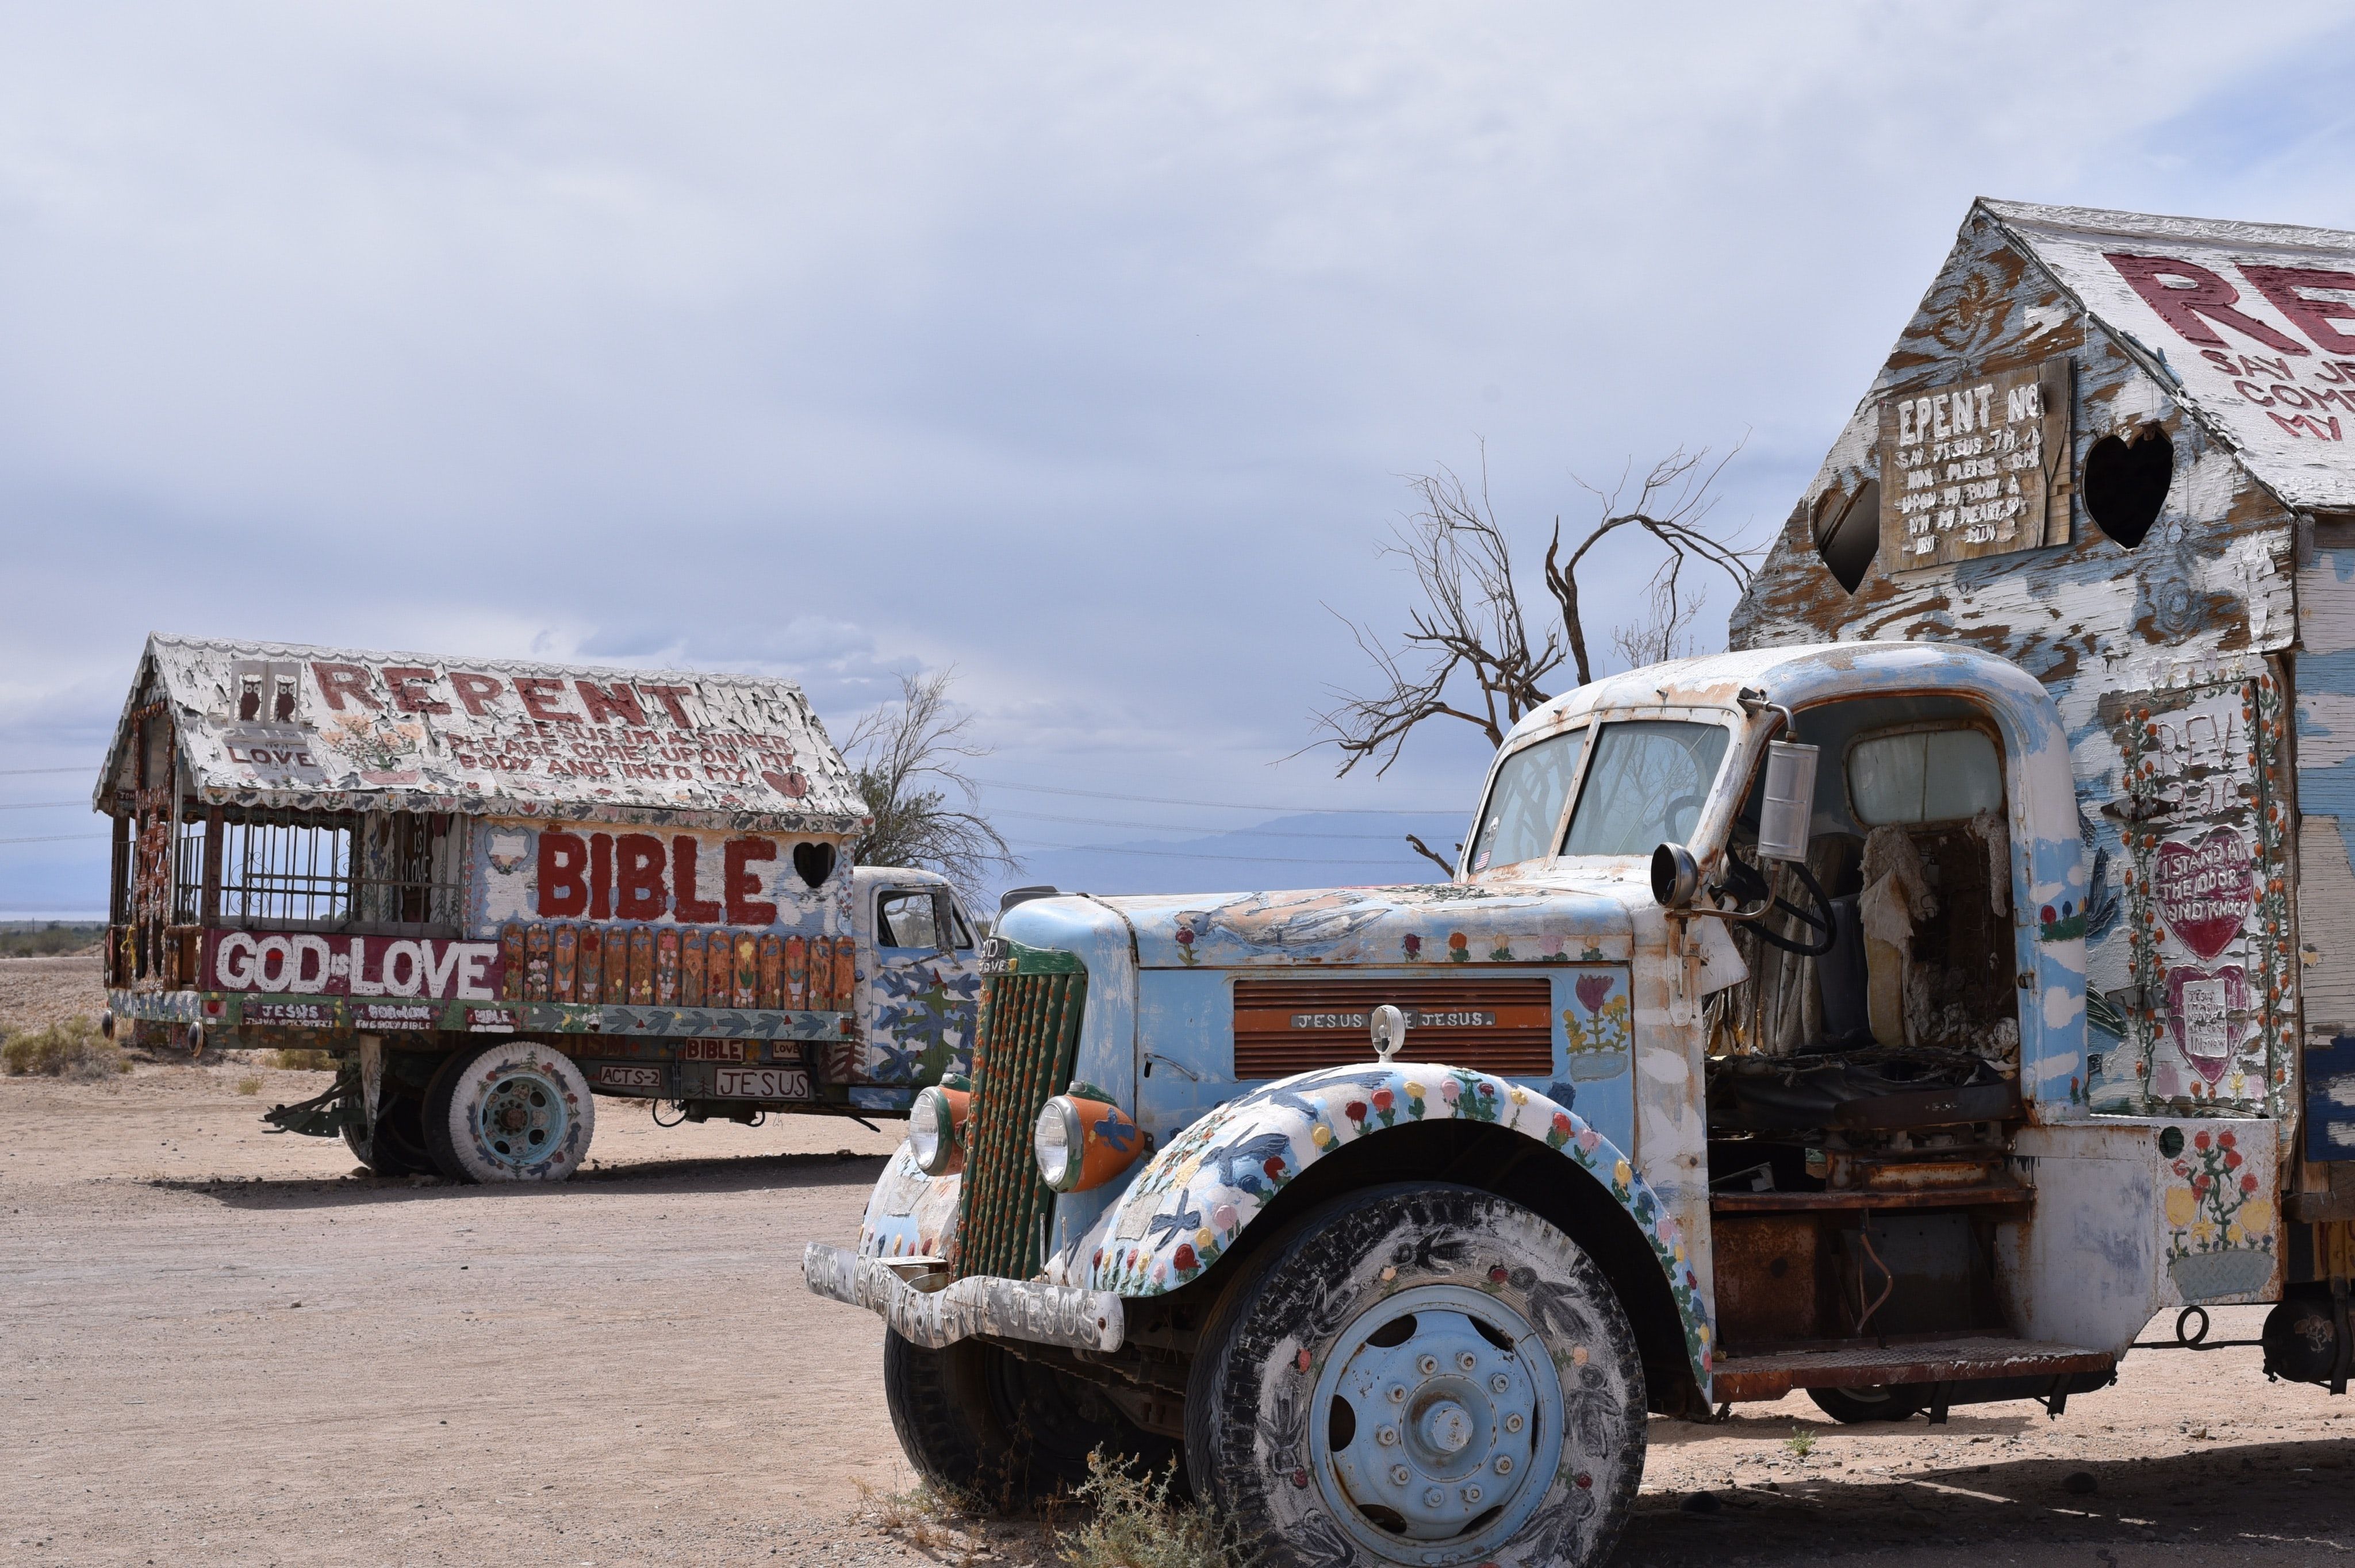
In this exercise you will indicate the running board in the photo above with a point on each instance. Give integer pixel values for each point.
(1965, 1359)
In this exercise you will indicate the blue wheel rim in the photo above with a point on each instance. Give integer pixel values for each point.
(522, 1119)
(1436, 1425)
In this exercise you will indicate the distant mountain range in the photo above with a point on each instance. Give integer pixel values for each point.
(1317, 849)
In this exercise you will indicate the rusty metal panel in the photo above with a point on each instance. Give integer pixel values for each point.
(1770, 1277)
(346, 729)
(1958, 1360)
(1493, 1024)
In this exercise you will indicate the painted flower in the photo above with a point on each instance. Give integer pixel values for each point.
(2231, 1160)
(1413, 946)
(1449, 1092)
(1354, 1110)
(2200, 1139)
(2249, 1182)
(1562, 1126)
(1321, 1136)
(1274, 1165)
(1204, 1239)
(1384, 1099)
(1414, 1091)
(1185, 936)
(1459, 947)
(1590, 1141)
(2201, 1182)
(1593, 991)
(2257, 1217)
(2225, 1139)
(2182, 1169)
(1620, 1174)
(2181, 1205)
(1184, 1256)
(1224, 1216)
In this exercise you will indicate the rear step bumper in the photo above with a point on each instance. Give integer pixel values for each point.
(978, 1304)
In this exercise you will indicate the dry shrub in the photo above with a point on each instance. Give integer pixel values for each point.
(1135, 1525)
(249, 1085)
(71, 1048)
(925, 1516)
(303, 1061)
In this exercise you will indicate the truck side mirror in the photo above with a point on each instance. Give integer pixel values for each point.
(1676, 876)
(1787, 814)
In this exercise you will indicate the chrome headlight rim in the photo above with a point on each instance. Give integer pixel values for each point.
(932, 1131)
(1061, 1162)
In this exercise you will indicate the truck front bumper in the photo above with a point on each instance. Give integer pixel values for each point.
(978, 1304)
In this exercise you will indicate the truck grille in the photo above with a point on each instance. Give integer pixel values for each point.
(1502, 1024)
(1031, 1001)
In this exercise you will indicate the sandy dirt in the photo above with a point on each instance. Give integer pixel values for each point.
(38, 991)
(224, 1346)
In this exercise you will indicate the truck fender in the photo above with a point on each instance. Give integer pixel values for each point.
(1198, 1194)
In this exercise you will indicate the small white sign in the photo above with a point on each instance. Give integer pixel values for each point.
(761, 1082)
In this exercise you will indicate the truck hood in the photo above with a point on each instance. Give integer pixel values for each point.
(1589, 915)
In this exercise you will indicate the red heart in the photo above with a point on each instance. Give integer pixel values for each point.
(2213, 1030)
(791, 784)
(2205, 888)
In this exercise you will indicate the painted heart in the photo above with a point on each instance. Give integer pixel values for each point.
(2207, 1015)
(788, 784)
(2205, 888)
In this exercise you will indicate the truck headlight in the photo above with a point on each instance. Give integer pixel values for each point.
(1081, 1143)
(936, 1128)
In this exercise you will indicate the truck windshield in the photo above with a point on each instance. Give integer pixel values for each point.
(1527, 801)
(1645, 786)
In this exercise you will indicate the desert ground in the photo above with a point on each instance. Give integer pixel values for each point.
(226, 1346)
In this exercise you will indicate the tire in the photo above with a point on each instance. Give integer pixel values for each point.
(1420, 1298)
(397, 1146)
(513, 1110)
(976, 1419)
(1856, 1406)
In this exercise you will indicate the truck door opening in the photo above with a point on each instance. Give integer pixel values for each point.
(1861, 1102)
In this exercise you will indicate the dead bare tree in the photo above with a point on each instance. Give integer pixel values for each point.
(1468, 652)
(906, 764)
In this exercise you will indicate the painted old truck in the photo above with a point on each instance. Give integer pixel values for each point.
(496, 890)
(1905, 1006)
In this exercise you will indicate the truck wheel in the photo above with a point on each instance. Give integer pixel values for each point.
(1419, 1374)
(514, 1110)
(977, 1419)
(396, 1147)
(1853, 1406)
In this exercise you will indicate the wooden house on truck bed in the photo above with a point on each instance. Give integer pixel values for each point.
(498, 888)
(2119, 450)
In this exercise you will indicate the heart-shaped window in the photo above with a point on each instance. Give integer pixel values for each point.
(1848, 532)
(2125, 482)
(815, 862)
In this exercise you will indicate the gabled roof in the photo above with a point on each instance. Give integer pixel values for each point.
(2250, 326)
(281, 724)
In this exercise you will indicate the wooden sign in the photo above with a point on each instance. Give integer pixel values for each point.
(1974, 468)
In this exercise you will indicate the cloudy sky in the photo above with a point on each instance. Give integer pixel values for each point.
(1082, 352)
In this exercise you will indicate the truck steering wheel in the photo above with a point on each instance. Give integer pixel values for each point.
(1747, 883)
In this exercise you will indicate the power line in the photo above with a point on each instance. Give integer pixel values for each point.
(20, 772)
(56, 838)
(1182, 854)
(37, 805)
(1166, 827)
(1232, 805)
